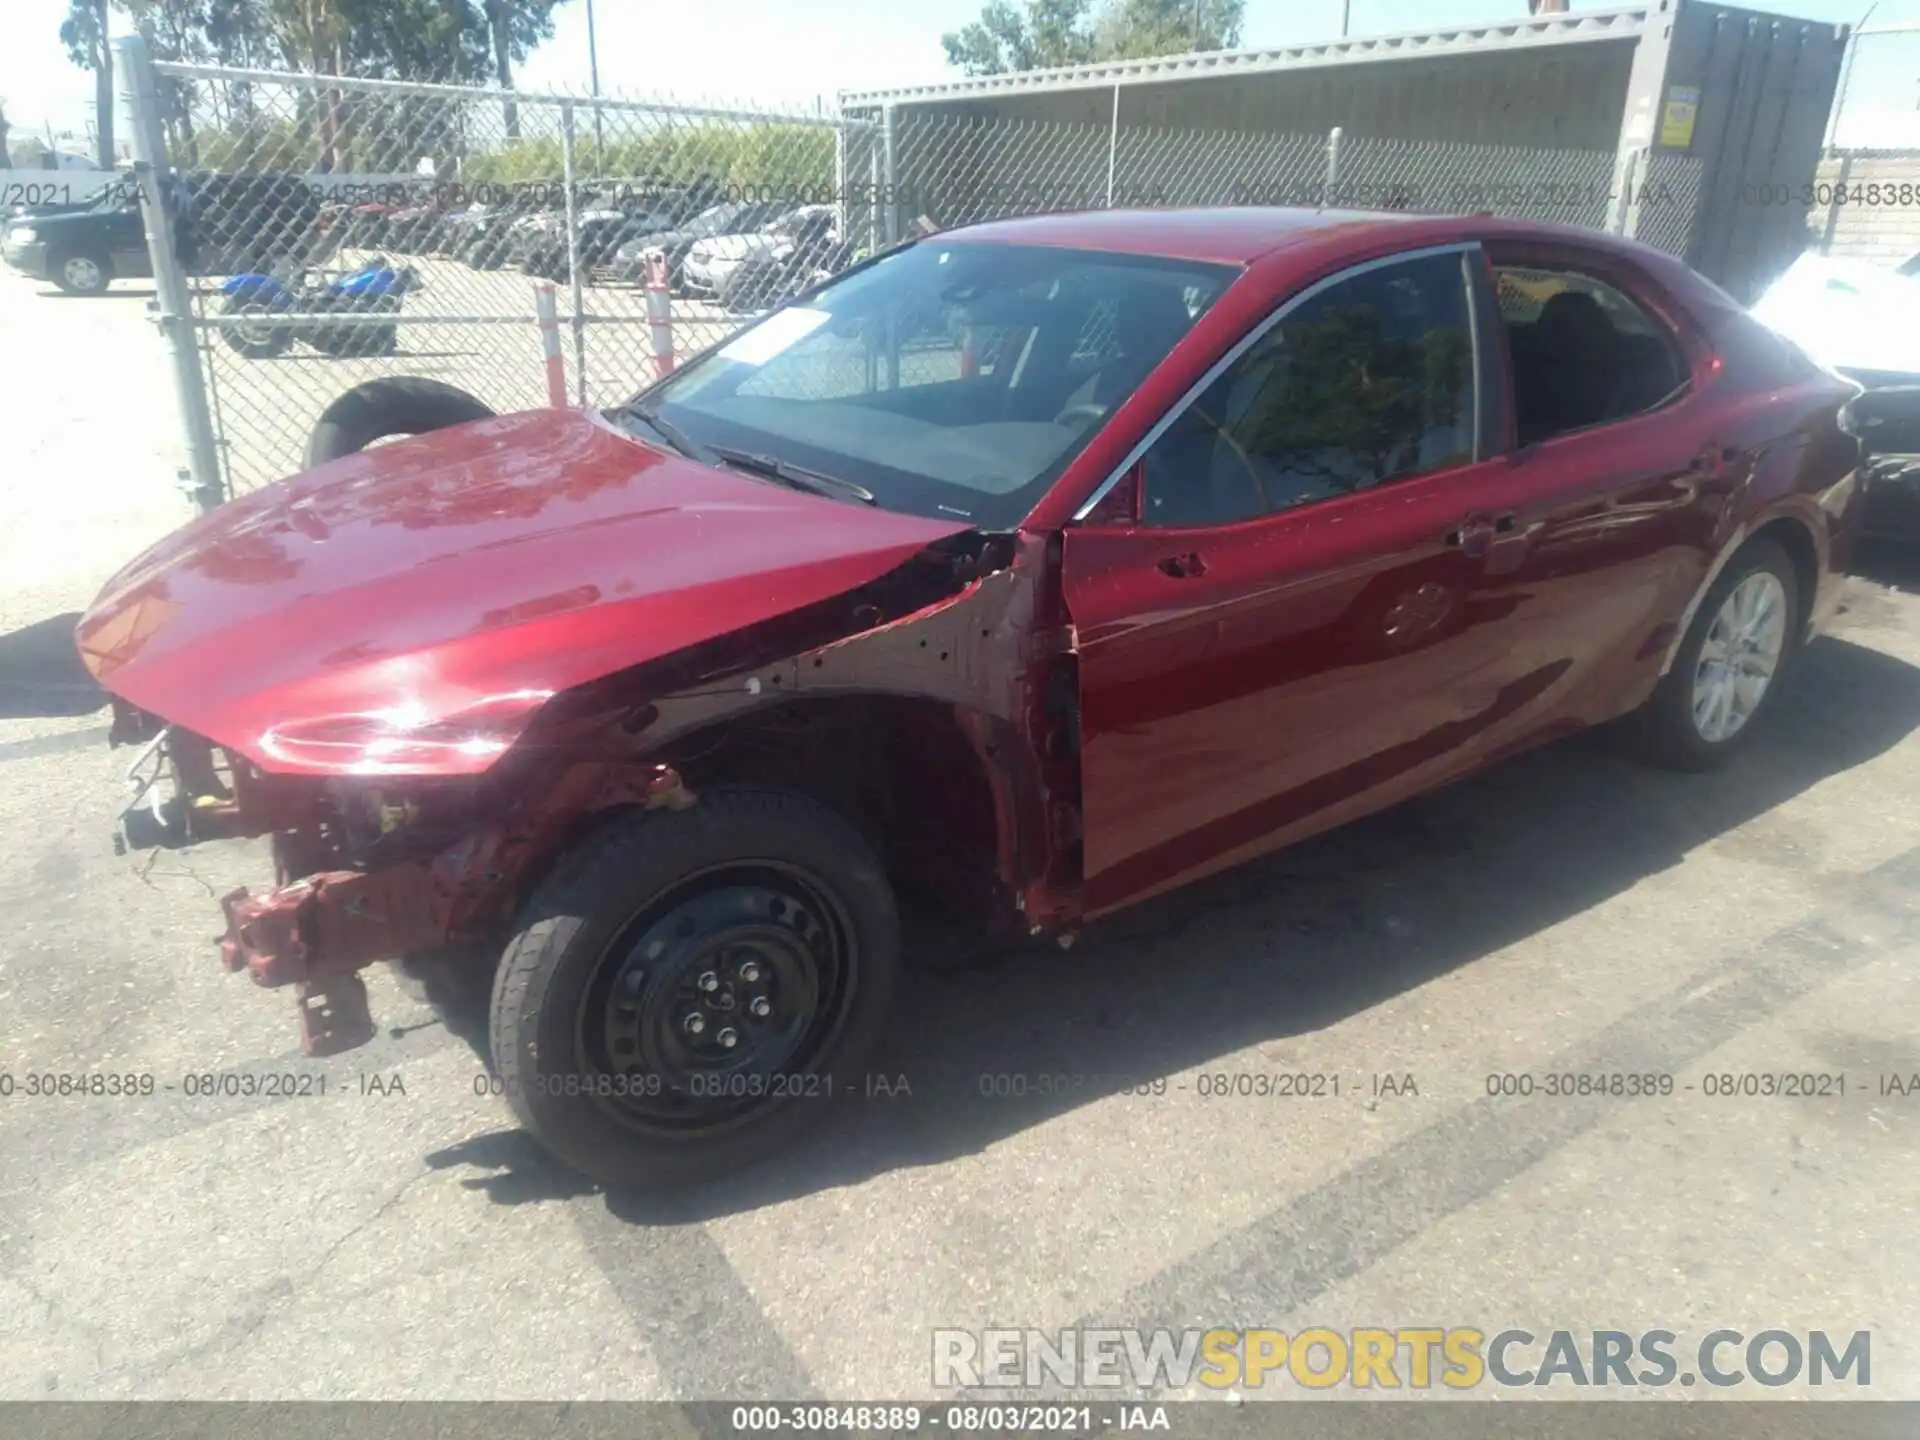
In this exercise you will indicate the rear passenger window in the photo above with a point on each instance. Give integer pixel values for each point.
(1583, 353)
(1369, 381)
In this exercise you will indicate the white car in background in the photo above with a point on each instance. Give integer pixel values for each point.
(712, 265)
(1861, 318)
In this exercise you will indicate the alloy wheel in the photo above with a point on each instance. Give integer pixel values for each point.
(1739, 657)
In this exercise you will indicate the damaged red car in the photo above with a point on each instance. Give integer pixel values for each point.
(1015, 575)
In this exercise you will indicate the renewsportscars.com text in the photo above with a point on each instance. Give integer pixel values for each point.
(1395, 1358)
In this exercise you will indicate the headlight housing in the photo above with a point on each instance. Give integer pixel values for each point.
(404, 739)
(23, 235)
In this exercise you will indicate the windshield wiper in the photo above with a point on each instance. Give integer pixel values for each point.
(666, 430)
(796, 477)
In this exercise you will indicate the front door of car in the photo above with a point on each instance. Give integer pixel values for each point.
(1290, 630)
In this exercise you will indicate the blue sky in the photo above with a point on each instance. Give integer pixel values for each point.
(789, 51)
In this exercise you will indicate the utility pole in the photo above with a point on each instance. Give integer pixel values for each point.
(1346, 17)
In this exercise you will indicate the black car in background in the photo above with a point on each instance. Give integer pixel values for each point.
(82, 246)
(223, 224)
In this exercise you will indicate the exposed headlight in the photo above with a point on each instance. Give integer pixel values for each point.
(23, 235)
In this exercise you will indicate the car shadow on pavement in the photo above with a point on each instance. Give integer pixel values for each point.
(41, 675)
(1283, 946)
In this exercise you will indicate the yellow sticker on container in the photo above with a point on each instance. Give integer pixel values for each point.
(1676, 120)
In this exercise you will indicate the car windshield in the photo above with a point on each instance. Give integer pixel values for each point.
(948, 379)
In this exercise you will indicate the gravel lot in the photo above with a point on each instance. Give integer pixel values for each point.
(1568, 912)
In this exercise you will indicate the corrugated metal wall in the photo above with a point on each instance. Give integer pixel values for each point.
(1566, 97)
(1765, 87)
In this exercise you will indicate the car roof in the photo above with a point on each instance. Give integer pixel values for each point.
(1239, 235)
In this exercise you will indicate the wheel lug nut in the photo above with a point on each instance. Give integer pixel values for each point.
(694, 1024)
(761, 1006)
(727, 1038)
(750, 971)
(708, 981)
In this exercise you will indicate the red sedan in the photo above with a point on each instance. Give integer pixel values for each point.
(1018, 573)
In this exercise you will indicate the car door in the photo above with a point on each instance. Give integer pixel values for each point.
(1286, 632)
(126, 236)
(1620, 474)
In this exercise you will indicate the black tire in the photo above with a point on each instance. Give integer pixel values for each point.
(82, 272)
(576, 956)
(397, 405)
(260, 344)
(1664, 729)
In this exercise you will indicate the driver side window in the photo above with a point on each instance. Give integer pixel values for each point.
(1369, 381)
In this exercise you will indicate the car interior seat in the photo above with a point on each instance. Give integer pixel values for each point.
(1572, 361)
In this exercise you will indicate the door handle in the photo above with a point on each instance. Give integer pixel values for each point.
(1183, 567)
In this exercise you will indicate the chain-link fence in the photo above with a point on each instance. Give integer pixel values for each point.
(329, 231)
(1864, 202)
(336, 230)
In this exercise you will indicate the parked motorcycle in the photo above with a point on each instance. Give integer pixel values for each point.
(281, 313)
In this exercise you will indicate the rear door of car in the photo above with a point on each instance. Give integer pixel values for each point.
(1611, 508)
(1285, 630)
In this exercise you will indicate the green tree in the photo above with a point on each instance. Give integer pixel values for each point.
(84, 32)
(1136, 29)
(514, 28)
(1046, 33)
(1041, 33)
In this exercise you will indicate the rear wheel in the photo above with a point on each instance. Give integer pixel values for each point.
(1725, 673)
(83, 273)
(690, 988)
(261, 337)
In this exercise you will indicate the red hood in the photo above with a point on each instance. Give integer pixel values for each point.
(472, 571)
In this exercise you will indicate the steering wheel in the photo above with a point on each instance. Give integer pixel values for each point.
(1087, 410)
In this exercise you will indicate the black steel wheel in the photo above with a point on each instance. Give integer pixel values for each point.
(688, 989)
(737, 977)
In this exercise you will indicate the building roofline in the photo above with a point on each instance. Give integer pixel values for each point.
(1533, 30)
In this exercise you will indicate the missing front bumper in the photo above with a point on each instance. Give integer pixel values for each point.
(317, 934)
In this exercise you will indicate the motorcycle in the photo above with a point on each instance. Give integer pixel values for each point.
(281, 313)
